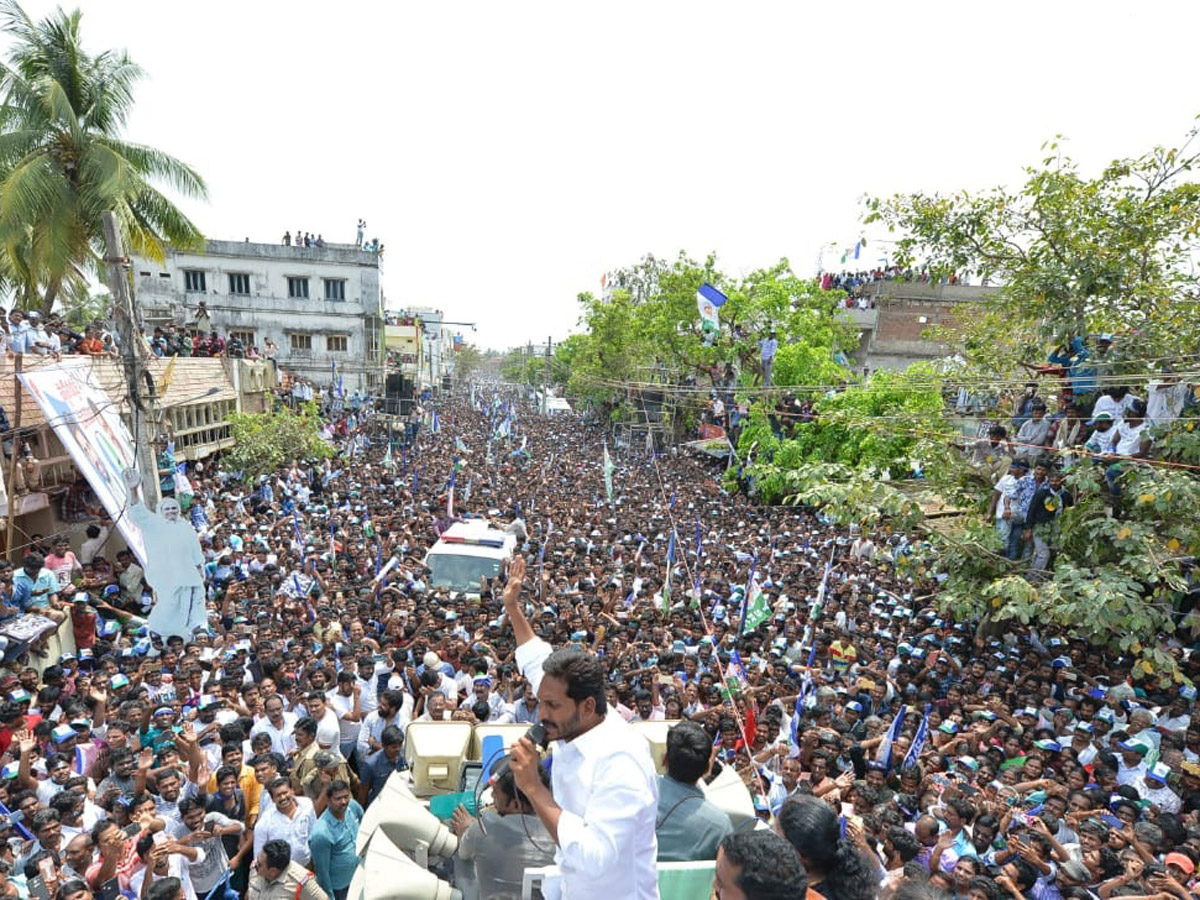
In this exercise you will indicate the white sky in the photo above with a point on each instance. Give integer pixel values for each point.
(509, 153)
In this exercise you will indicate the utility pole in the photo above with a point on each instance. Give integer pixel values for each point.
(11, 490)
(135, 375)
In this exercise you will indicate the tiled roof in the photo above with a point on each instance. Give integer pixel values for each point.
(191, 379)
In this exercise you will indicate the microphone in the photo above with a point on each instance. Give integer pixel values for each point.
(537, 735)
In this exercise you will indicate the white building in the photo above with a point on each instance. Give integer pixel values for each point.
(318, 304)
(437, 346)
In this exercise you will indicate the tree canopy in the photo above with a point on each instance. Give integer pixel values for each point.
(264, 441)
(1074, 256)
(646, 330)
(63, 162)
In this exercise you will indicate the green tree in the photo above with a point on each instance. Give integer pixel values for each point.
(1074, 255)
(467, 361)
(264, 441)
(870, 428)
(63, 162)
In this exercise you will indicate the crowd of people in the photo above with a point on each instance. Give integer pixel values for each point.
(851, 280)
(893, 750)
(51, 336)
(303, 239)
(31, 333)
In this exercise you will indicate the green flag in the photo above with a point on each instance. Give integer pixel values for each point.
(759, 610)
(608, 472)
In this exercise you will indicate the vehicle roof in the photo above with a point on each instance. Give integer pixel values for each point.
(474, 530)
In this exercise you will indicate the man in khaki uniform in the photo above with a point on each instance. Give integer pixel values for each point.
(276, 877)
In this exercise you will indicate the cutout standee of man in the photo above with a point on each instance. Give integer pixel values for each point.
(174, 563)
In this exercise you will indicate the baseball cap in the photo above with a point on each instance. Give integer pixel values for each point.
(1180, 861)
(1159, 772)
(62, 734)
(1136, 745)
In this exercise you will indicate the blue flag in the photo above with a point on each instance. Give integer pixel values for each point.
(919, 739)
(884, 753)
(806, 684)
(666, 592)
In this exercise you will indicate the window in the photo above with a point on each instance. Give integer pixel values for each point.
(336, 343)
(239, 284)
(298, 288)
(246, 337)
(300, 343)
(335, 288)
(194, 281)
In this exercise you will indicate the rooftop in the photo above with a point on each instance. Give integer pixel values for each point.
(335, 253)
(190, 380)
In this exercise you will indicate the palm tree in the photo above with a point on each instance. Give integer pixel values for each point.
(63, 163)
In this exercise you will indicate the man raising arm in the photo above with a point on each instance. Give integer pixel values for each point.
(602, 803)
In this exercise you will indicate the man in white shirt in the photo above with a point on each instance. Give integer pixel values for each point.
(346, 703)
(290, 819)
(277, 724)
(165, 859)
(328, 730)
(602, 808)
(367, 680)
(1165, 399)
(395, 708)
(97, 537)
(1132, 760)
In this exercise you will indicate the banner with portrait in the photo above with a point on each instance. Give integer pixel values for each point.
(88, 424)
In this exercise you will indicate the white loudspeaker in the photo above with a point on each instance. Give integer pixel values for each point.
(729, 794)
(396, 789)
(435, 752)
(386, 873)
(405, 822)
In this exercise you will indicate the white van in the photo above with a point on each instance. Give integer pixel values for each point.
(466, 552)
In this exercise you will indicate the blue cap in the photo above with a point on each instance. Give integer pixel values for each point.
(62, 734)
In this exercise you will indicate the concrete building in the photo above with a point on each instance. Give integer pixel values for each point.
(437, 347)
(897, 330)
(318, 304)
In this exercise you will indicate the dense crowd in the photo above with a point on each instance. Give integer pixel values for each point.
(53, 337)
(896, 750)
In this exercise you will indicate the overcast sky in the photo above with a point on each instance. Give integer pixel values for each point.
(509, 153)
